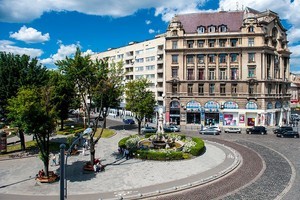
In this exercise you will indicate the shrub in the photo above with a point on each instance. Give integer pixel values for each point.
(161, 155)
(198, 148)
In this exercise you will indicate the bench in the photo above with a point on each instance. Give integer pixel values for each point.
(48, 179)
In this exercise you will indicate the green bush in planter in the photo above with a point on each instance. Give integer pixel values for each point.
(199, 148)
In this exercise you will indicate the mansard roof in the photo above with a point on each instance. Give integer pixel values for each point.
(233, 20)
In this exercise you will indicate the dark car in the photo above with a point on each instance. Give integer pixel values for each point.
(210, 131)
(149, 129)
(282, 129)
(256, 130)
(293, 134)
(128, 121)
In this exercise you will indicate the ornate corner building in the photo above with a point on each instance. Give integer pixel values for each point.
(227, 68)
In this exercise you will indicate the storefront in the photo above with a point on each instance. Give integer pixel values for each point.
(174, 115)
(230, 114)
(211, 115)
(250, 114)
(193, 110)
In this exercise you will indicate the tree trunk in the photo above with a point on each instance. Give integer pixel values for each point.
(22, 139)
(61, 124)
(139, 127)
(92, 150)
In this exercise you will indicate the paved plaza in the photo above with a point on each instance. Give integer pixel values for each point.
(234, 166)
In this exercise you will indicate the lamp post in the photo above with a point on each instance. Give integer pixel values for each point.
(63, 180)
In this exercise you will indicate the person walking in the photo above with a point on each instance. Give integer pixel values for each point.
(54, 160)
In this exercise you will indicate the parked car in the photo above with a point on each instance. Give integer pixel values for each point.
(149, 129)
(172, 128)
(128, 121)
(210, 131)
(282, 129)
(293, 134)
(295, 117)
(232, 130)
(213, 126)
(256, 130)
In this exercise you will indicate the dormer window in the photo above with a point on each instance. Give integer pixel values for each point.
(174, 33)
(223, 28)
(251, 29)
(201, 29)
(211, 29)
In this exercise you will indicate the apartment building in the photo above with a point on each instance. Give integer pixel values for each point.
(227, 68)
(141, 59)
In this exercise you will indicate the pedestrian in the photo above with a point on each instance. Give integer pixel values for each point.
(126, 153)
(54, 160)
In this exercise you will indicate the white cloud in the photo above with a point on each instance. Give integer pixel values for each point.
(63, 52)
(28, 10)
(151, 31)
(148, 22)
(30, 35)
(294, 35)
(8, 46)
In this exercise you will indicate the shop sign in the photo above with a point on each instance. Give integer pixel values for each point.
(278, 104)
(231, 105)
(269, 105)
(251, 105)
(242, 118)
(193, 106)
(212, 105)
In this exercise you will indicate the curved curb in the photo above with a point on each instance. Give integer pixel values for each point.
(230, 154)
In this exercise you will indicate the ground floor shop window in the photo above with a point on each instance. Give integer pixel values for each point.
(211, 119)
(193, 118)
(251, 121)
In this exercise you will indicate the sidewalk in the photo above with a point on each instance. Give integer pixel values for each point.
(121, 178)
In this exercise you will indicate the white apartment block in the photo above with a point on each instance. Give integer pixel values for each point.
(141, 60)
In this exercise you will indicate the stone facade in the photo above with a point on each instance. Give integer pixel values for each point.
(227, 68)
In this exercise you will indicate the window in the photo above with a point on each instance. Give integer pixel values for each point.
(190, 43)
(269, 88)
(201, 29)
(200, 89)
(211, 74)
(139, 69)
(139, 60)
(251, 57)
(234, 89)
(150, 76)
(190, 74)
(222, 28)
(174, 59)
(174, 33)
(251, 89)
(222, 89)
(200, 43)
(234, 74)
(211, 43)
(200, 58)
(211, 29)
(251, 29)
(150, 49)
(174, 44)
(223, 74)
(201, 74)
(222, 42)
(138, 52)
(190, 89)
(120, 56)
(222, 58)
(151, 58)
(250, 42)
(251, 72)
(211, 58)
(190, 59)
(174, 72)
(139, 76)
(233, 57)
(174, 89)
(150, 67)
(212, 88)
(233, 42)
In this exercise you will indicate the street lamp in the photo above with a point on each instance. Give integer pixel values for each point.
(63, 164)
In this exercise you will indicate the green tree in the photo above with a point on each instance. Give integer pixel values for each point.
(139, 100)
(63, 95)
(98, 81)
(15, 72)
(32, 112)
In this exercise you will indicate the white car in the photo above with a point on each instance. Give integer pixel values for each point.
(213, 127)
(232, 130)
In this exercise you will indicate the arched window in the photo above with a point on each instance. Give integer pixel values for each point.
(174, 33)
(250, 29)
(201, 29)
(211, 29)
(223, 28)
(274, 32)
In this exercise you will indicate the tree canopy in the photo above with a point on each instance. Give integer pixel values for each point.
(139, 100)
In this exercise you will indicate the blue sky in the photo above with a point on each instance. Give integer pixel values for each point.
(52, 29)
